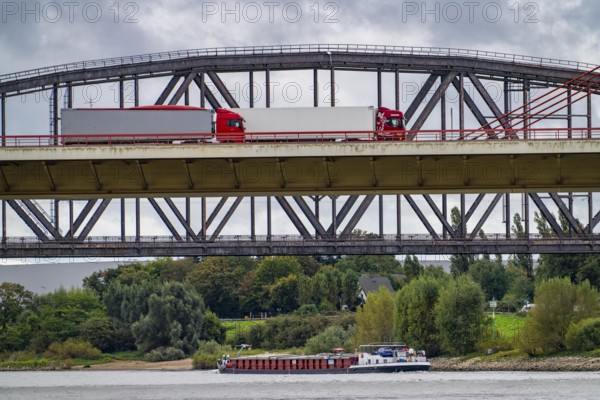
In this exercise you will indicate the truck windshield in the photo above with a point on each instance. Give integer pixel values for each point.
(395, 123)
(236, 123)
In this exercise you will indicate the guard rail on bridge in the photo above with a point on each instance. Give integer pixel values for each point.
(538, 134)
(107, 246)
(293, 49)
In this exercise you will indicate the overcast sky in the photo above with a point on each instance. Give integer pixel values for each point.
(43, 33)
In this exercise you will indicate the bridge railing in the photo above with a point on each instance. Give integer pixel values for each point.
(291, 49)
(538, 134)
(289, 238)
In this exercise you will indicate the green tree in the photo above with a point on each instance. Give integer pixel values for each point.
(520, 289)
(292, 330)
(559, 266)
(587, 303)
(219, 280)
(559, 304)
(491, 276)
(308, 292)
(415, 321)
(127, 274)
(547, 324)
(367, 264)
(332, 337)
(584, 335)
(310, 265)
(375, 319)
(14, 329)
(270, 269)
(459, 315)
(459, 263)
(61, 314)
(14, 299)
(578, 267)
(19, 334)
(128, 302)
(589, 270)
(523, 261)
(212, 329)
(542, 225)
(107, 334)
(253, 297)
(174, 319)
(328, 283)
(284, 294)
(435, 272)
(412, 268)
(176, 269)
(350, 290)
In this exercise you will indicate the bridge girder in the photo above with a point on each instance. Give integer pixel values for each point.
(340, 61)
(190, 225)
(183, 238)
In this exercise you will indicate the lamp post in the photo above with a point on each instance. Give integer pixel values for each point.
(331, 79)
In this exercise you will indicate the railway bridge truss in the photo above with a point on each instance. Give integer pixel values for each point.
(493, 100)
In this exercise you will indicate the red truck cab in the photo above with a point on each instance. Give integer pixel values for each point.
(390, 125)
(230, 126)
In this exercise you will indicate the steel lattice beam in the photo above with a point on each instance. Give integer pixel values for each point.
(182, 237)
(181, 229)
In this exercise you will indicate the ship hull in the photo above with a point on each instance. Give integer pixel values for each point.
(355, 369)
(391, 367)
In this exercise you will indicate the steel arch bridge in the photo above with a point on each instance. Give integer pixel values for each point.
(325, 222)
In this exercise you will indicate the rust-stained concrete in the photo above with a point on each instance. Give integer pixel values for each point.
(300, 168)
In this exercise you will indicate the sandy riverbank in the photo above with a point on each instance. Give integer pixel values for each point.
(123, 365)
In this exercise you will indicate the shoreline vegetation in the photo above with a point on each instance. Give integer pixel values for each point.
(438, 364)
(448, 364)
(141, 316)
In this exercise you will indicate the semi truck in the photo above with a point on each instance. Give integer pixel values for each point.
(146, 124)
(194, 124)
(318, 124)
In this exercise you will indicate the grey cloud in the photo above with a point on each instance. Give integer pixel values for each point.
(538, 28)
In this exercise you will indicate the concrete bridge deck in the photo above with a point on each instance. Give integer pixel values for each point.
(474, 166)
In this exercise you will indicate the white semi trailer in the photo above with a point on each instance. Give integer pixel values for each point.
(317, 123)
(142, 124)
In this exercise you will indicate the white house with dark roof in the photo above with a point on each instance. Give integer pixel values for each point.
(370, 284)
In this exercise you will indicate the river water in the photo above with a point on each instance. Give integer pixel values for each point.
(183, 385)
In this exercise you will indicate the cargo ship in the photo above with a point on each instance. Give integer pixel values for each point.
(374, 357)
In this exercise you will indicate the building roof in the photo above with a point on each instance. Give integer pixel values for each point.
(46, 278)
(373, 283)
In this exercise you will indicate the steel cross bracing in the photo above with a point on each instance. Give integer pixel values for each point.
(203, 71)
(370, 224)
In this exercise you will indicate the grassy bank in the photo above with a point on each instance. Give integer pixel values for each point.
(23, 361)
(237, 331)
(507, 326)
